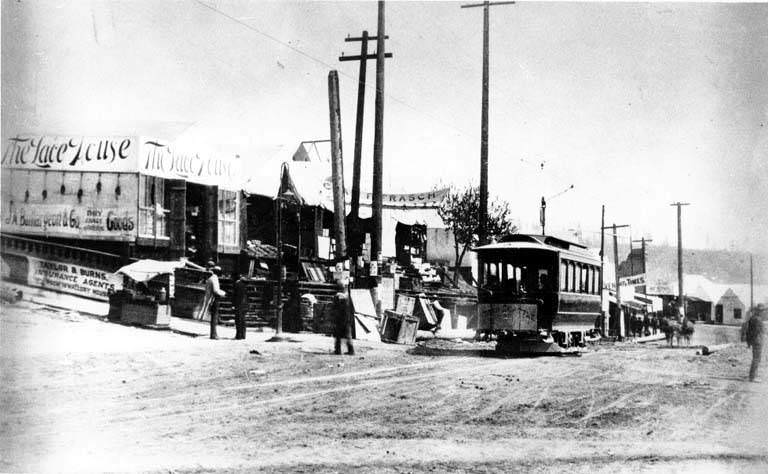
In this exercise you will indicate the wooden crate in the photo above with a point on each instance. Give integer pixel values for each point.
(398, 328)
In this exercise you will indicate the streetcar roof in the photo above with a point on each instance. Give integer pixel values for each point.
(537, 242)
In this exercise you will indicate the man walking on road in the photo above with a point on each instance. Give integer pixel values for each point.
(755, 332)
(342, 328)
(240, 300)
(213, 294)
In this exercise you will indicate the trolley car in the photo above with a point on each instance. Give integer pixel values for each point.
(538, 293)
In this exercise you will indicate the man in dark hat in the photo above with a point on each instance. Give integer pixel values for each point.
(342, 316)
(754, 336)
(240, 300)
(213, 293)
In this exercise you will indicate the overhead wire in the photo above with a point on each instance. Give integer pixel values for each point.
(432, 117)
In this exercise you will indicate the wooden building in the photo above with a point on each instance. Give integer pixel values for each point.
(121, 196)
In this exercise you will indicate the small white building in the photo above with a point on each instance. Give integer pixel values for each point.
(730, 309)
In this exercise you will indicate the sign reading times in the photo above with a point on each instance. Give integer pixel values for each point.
(633, 280)
(54, 153)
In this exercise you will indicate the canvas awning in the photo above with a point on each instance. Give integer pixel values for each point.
(145, 270)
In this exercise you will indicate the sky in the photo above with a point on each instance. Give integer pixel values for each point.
(635, 105)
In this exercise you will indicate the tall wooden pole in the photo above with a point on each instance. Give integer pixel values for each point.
(751, 287)
(619, 313)
(359, 133)
(353, 231)
(602, 270)
(337, 166)
(378, 140)
(643, 241)
(680, 292)
(483, 230)
(483, 217)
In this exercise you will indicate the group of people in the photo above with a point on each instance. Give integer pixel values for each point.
(342, 310)
(647, 325)
(214, 294)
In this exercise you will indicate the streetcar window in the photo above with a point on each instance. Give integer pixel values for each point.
(595, 280)
(583, 282)
(572, 276)
(544, 283)
(563, 276)
(587, 278)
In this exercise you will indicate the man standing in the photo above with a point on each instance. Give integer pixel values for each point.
(755, 331)
(213, 293)
(342, 328)
(240, 300)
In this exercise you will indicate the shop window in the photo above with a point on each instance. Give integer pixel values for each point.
(229, 218)
(153, 215)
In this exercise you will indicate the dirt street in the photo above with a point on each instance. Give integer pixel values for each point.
(80, 394)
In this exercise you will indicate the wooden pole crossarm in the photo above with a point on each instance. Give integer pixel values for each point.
(357, 57)
(484, 4)
(362, 38)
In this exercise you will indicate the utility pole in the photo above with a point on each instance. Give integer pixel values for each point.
(751, 287)
(378, 140)
(354, 230)
(680, 292)
(602, 268)
(337, 166)
(643, 241)
(483, 231)
(619, 312)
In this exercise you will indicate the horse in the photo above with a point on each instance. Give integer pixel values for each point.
(685, 331)
(670, 330)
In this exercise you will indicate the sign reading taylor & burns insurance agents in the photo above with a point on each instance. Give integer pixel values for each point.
(72, 279)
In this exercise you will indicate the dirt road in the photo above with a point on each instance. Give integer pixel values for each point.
(81, 394)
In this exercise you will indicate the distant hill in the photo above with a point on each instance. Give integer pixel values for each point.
(719, 266)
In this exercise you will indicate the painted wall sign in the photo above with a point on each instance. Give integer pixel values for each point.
(633, 280)
(64, 153)
(61, 277)
(72, 279)
(64, 220)
(166, 161)
(98, 213)
(424, 199)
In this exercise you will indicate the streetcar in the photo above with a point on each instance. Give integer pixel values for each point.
(538, 293)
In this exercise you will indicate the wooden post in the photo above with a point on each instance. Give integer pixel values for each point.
(353, 231)
(680, 292)
(607, 315)
(337, 166)
(622, 329)
(177, 218)
(378, 140)
(619, 312)
(483, 231)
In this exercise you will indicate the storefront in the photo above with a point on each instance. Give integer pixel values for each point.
(121, 196)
